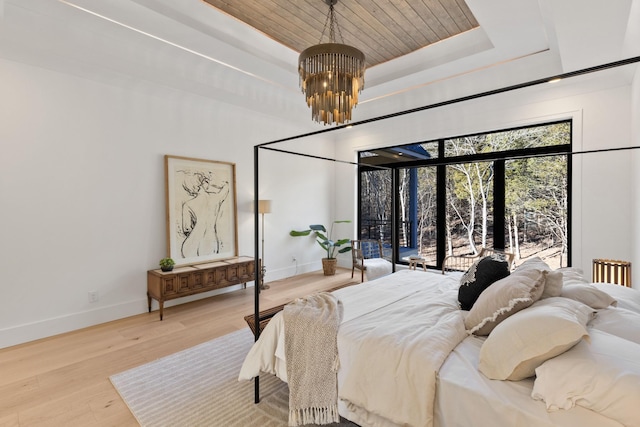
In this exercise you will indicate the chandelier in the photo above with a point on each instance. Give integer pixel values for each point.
(331, 75)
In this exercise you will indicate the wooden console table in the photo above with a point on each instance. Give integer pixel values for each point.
(194, 279)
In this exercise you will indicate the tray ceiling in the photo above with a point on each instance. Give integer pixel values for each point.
(382, 29)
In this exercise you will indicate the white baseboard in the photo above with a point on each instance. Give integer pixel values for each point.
(54, 326)
(21, 334)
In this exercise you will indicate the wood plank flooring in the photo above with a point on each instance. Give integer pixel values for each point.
(64, 380)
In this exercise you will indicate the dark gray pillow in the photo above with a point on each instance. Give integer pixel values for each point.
(479, 277)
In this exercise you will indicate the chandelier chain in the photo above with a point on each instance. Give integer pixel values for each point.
(332, 20)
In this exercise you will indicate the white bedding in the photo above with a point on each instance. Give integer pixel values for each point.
(267, 355)
(461, 385)
(392, 356)
(427, 325)
(402, 337)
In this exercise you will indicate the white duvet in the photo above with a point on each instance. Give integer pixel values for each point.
(396, 333)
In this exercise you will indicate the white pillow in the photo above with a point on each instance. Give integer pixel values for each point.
(628, 298)
(504, 298)
(518, 345)
(603, 376)
(572, 275)
(589, 295)
(553, 280)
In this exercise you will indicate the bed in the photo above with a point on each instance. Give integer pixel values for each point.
(406, 356)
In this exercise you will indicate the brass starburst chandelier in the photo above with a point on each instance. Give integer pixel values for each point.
(331, 75)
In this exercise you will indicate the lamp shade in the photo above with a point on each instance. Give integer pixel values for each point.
(264, 206)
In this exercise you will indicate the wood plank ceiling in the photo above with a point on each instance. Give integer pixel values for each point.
(382, 29)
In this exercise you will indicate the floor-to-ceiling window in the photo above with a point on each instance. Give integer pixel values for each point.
(507, 189)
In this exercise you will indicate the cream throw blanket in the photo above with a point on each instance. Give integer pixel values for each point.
(311, 328)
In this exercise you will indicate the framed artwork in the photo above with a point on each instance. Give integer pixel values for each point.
(201, 209)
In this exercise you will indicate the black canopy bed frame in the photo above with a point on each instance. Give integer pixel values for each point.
(258, 321)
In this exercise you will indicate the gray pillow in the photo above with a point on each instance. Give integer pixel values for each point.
(553, 280)
(504, 298)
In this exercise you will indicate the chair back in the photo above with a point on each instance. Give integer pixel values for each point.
(366, 249)
(612, 271)
(463, 262)
(507, 256)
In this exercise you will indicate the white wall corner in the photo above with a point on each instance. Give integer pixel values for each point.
(635, 168)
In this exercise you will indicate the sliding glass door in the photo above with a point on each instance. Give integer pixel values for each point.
(505, 190)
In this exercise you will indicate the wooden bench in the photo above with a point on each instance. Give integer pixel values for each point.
(265, 315)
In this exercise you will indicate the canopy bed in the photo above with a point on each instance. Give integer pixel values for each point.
(408, 355)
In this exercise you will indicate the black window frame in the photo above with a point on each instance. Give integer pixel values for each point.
(499, 158)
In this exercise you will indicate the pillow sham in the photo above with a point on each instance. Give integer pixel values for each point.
(589, 295)
(553, 281)
(504, 298)
(479, 277)
(521, 343)
(603, 376)
(628, 298)
(572, 275)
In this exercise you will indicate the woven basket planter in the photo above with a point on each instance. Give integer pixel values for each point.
(329, 266)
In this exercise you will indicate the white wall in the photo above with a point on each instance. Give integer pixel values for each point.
(602, 188)
(302, 192)
(635, 178)
(83, 185)
(81, 171)
(82, 189)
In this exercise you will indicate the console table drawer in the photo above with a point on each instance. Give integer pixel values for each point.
(169, 285)
(197, 280)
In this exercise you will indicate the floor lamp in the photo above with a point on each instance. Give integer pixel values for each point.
(264, 207)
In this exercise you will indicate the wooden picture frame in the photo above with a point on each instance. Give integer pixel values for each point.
(201, 209)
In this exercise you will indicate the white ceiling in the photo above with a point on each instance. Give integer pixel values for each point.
(177, 46)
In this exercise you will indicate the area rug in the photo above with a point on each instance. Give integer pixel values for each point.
(199, 387)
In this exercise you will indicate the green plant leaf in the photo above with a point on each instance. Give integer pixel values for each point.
(321, 236)
(299, 233)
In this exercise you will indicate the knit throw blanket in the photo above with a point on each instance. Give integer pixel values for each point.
(311, 349)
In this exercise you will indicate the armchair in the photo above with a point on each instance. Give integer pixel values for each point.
(368, 254)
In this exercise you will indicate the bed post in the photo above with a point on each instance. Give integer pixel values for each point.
(395, 250)
(258, 267)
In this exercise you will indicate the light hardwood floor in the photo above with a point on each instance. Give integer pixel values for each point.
(64, 380)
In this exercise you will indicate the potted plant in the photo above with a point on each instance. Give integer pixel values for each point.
(332, 247)
(166, 264)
